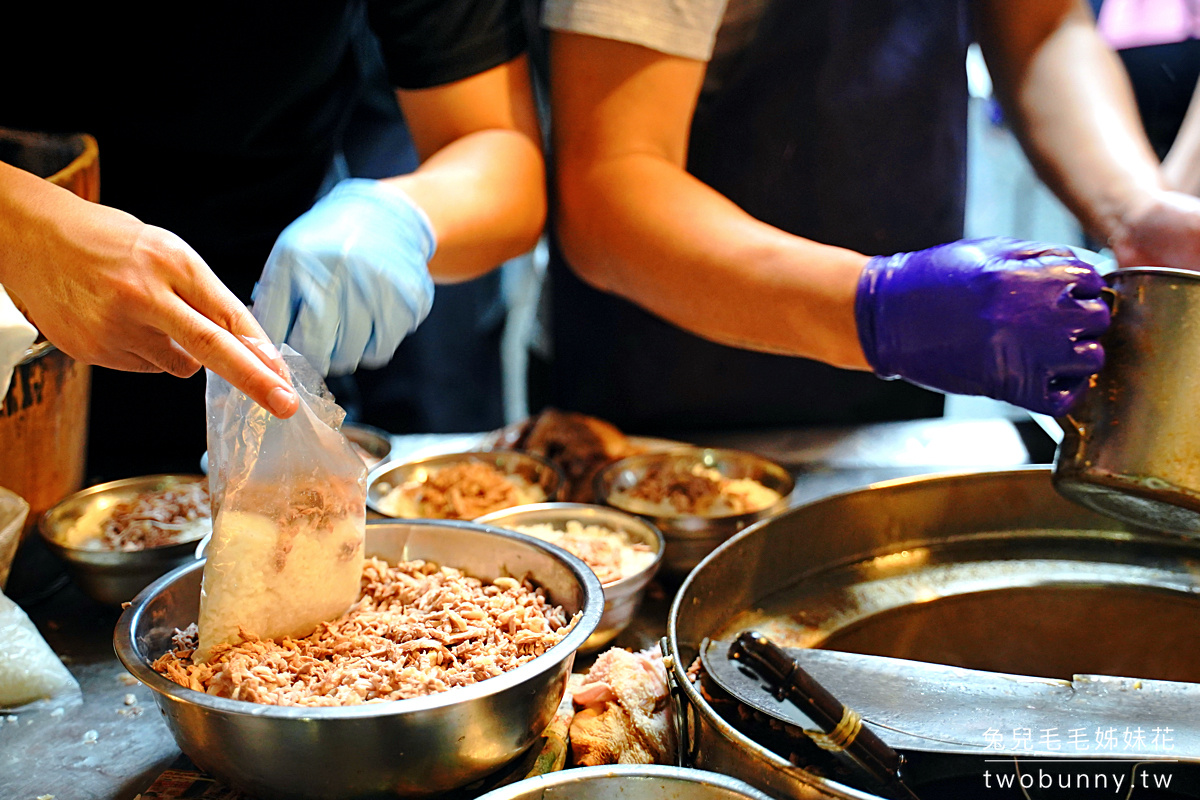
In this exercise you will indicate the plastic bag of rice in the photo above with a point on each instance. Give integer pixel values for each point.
(289, 514)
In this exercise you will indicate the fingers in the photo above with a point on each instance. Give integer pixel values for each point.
(1067, 384)
(1083, 319)
(315, 331)
(224, 353)
(167, 356)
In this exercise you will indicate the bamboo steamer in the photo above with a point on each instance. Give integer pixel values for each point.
(44, 416)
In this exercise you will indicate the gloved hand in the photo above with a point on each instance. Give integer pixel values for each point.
(347, 281)
(1011, 320)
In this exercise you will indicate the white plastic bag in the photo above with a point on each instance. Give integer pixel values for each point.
(31, 675)
(289, 514)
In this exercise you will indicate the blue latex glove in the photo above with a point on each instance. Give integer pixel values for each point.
(347, 281)
(1012, 320)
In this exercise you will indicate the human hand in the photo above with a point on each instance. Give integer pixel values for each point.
(347, 281)
(1007, 319)
(1162, 231)
(109, 290)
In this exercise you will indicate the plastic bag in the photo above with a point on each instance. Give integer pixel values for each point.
(31, 675)
(13, 511)
(289, 514)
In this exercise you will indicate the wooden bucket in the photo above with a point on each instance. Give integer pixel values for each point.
(44, 416)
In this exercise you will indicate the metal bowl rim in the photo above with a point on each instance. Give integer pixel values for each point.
(377, 472)
(373, 432)
(789, 483)
(1166, 272)
(679, 670)
(593, 607)
(43, 522)
(586, 774)
(643, 574)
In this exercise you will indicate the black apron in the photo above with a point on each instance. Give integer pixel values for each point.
(842, 121)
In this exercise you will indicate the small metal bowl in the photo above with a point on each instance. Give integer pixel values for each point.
(536, 471)
(113, 576)
(403, 748)
(623, 597)
(690, 537)
(629, 782)
(372, 441)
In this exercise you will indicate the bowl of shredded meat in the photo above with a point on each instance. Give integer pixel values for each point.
(461, 485)
(697, 496)
(448, 667)
(117, 537)
(624, 551)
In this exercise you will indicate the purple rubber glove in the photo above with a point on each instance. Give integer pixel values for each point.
(1007, 319)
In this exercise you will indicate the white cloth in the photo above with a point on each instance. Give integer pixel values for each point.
(685, 28)
(16, 335)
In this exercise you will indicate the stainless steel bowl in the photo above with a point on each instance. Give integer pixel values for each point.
(622, 598)
(407, 748)
(535, 470)
(691, 537)
(629, 782)
(113, 576)
(374, 442)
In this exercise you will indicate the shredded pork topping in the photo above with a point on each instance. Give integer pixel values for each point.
(465, 490)
(156, 519)
(418, 629)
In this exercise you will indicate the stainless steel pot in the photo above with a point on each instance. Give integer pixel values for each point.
(407, 748)
(1131, 448)
(900, 567)
(631, 782)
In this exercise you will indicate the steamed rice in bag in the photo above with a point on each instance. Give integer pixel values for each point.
(289, 501)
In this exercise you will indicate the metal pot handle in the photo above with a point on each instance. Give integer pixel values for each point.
(681, 709)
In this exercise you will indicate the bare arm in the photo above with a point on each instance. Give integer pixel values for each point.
(634, 222)
(482, 178)
(110, 290)
(1073, 109)
(1181, 167)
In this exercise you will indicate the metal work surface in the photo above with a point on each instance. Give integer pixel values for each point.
(50, 753)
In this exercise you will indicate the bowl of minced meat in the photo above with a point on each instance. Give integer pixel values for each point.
(117, 537)
(697, 496)
(623, 550)
(449, 666)
(461, 485)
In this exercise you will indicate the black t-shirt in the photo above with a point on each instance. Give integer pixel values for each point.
(219, 123)
(220, 128)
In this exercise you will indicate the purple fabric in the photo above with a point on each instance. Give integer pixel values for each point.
(1007, 319)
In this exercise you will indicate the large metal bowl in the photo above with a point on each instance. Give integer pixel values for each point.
(630, 782)
(113, 576)
(407, 748)
(1052, 587)
(690, 537)
(536, 471)
(622, 598)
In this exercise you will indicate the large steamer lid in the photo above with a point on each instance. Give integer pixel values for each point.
(990, 571)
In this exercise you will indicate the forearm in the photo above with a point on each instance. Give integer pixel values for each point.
(484, 194)
(30, 211)
(640, 226)
(1073, 109)
(1181, 167)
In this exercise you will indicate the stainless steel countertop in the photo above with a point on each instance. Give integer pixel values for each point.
(51, 753)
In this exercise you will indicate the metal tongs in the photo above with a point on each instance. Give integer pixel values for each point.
(839, 729)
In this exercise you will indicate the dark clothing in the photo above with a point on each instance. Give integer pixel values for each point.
(841, 121)
(221, 130)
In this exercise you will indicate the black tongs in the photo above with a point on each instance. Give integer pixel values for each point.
(842, 732)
